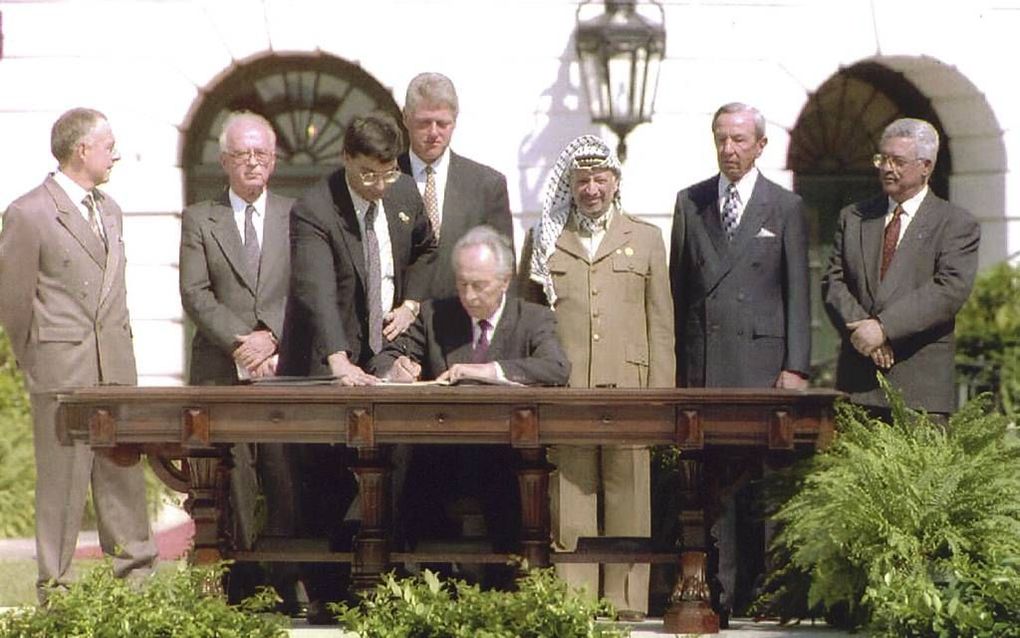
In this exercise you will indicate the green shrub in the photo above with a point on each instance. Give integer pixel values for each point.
(170, 603)
(425, 607)
(988, 336)
(908, 529)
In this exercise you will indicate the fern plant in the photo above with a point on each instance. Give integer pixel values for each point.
(909, 528)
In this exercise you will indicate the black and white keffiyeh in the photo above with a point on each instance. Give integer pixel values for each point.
(587, 151)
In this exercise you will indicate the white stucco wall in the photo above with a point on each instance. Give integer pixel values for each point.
(147, 64)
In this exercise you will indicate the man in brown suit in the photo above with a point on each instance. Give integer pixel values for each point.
(604, 272)
(63, 305)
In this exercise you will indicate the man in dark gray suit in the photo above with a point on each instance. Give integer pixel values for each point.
(361, 253)
(739, 270)
(902, 266)
(741, 296)
(483, 333)
(458, 193)
(234, 272)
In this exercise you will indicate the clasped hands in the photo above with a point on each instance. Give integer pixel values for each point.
(868, 338)
(254, 353)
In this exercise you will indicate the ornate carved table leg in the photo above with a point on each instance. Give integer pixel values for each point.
(689, 609)
(371, 545)
(533, 482)
(208, 503)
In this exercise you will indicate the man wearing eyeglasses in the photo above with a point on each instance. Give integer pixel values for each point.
(361, 253)
(234, 273)
(902, 266)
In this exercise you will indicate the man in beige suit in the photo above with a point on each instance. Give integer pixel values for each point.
(63, 305)
(235, 270)
(604, 273)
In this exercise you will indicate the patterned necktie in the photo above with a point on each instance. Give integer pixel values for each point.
(374, 280)
(252, 251)
(92, 207)
(892, 237)
(431, 201)
(481, 351)
(729, 211)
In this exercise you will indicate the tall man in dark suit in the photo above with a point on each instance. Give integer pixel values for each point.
(739, 275)
(902, 266)
(739, 270)
(458, 193)
(63, 303)
(361, 253)
(481, 333)
(234, 272)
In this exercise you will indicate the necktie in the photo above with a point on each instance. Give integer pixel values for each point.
(431, 201)
(729, 211)
(92, 206)
(251, 243)
(374, 280)
(892, 237)
(481, 352)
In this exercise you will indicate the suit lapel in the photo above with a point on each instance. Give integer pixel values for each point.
(872, 236)
(347, 222)
(920, 228)
(224, 231)
(71, 218)
(453, 199)
(501, 335)
(114, 252)
(756, 212)
(569, 241)
(460, 344)
(275, 240)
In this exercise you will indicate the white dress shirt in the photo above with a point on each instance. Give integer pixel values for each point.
(441, 169)
(910, 208)
(382, 234)
(745, 187)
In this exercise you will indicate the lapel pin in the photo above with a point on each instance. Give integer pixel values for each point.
(628, 251)
(403, 217)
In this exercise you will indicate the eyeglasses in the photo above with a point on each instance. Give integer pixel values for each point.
(369, 178)
(898, 163)
(260, 156)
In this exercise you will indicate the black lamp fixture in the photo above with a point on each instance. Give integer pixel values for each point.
(620, 52)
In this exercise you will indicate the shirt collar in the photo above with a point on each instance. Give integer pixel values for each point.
(911, 205)
(239, 205)
(360, 203)
(73, 189)
(745, 185)
(494, 319)
(418, 165)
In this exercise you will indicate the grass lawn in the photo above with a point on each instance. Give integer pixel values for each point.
(17, 579)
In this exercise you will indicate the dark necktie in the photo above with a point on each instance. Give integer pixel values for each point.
(481, 352)
(374, 280)
(252, 251)
(431, 200)
(892, 236)
(729, 211)
(92, 207)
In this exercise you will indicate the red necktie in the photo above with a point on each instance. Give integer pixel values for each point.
(892, 236)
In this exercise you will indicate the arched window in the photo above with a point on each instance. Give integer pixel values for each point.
(309, 100)
(830, 155)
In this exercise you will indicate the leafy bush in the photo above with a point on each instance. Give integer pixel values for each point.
(425, 607)
(988, 336)
(909, 529)
(176, 603)
(17, 457)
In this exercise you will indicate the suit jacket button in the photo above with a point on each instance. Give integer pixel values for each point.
(595, 337)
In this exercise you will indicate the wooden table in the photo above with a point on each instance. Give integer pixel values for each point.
(197, 425)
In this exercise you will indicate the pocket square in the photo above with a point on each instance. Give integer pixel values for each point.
(765, 232)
